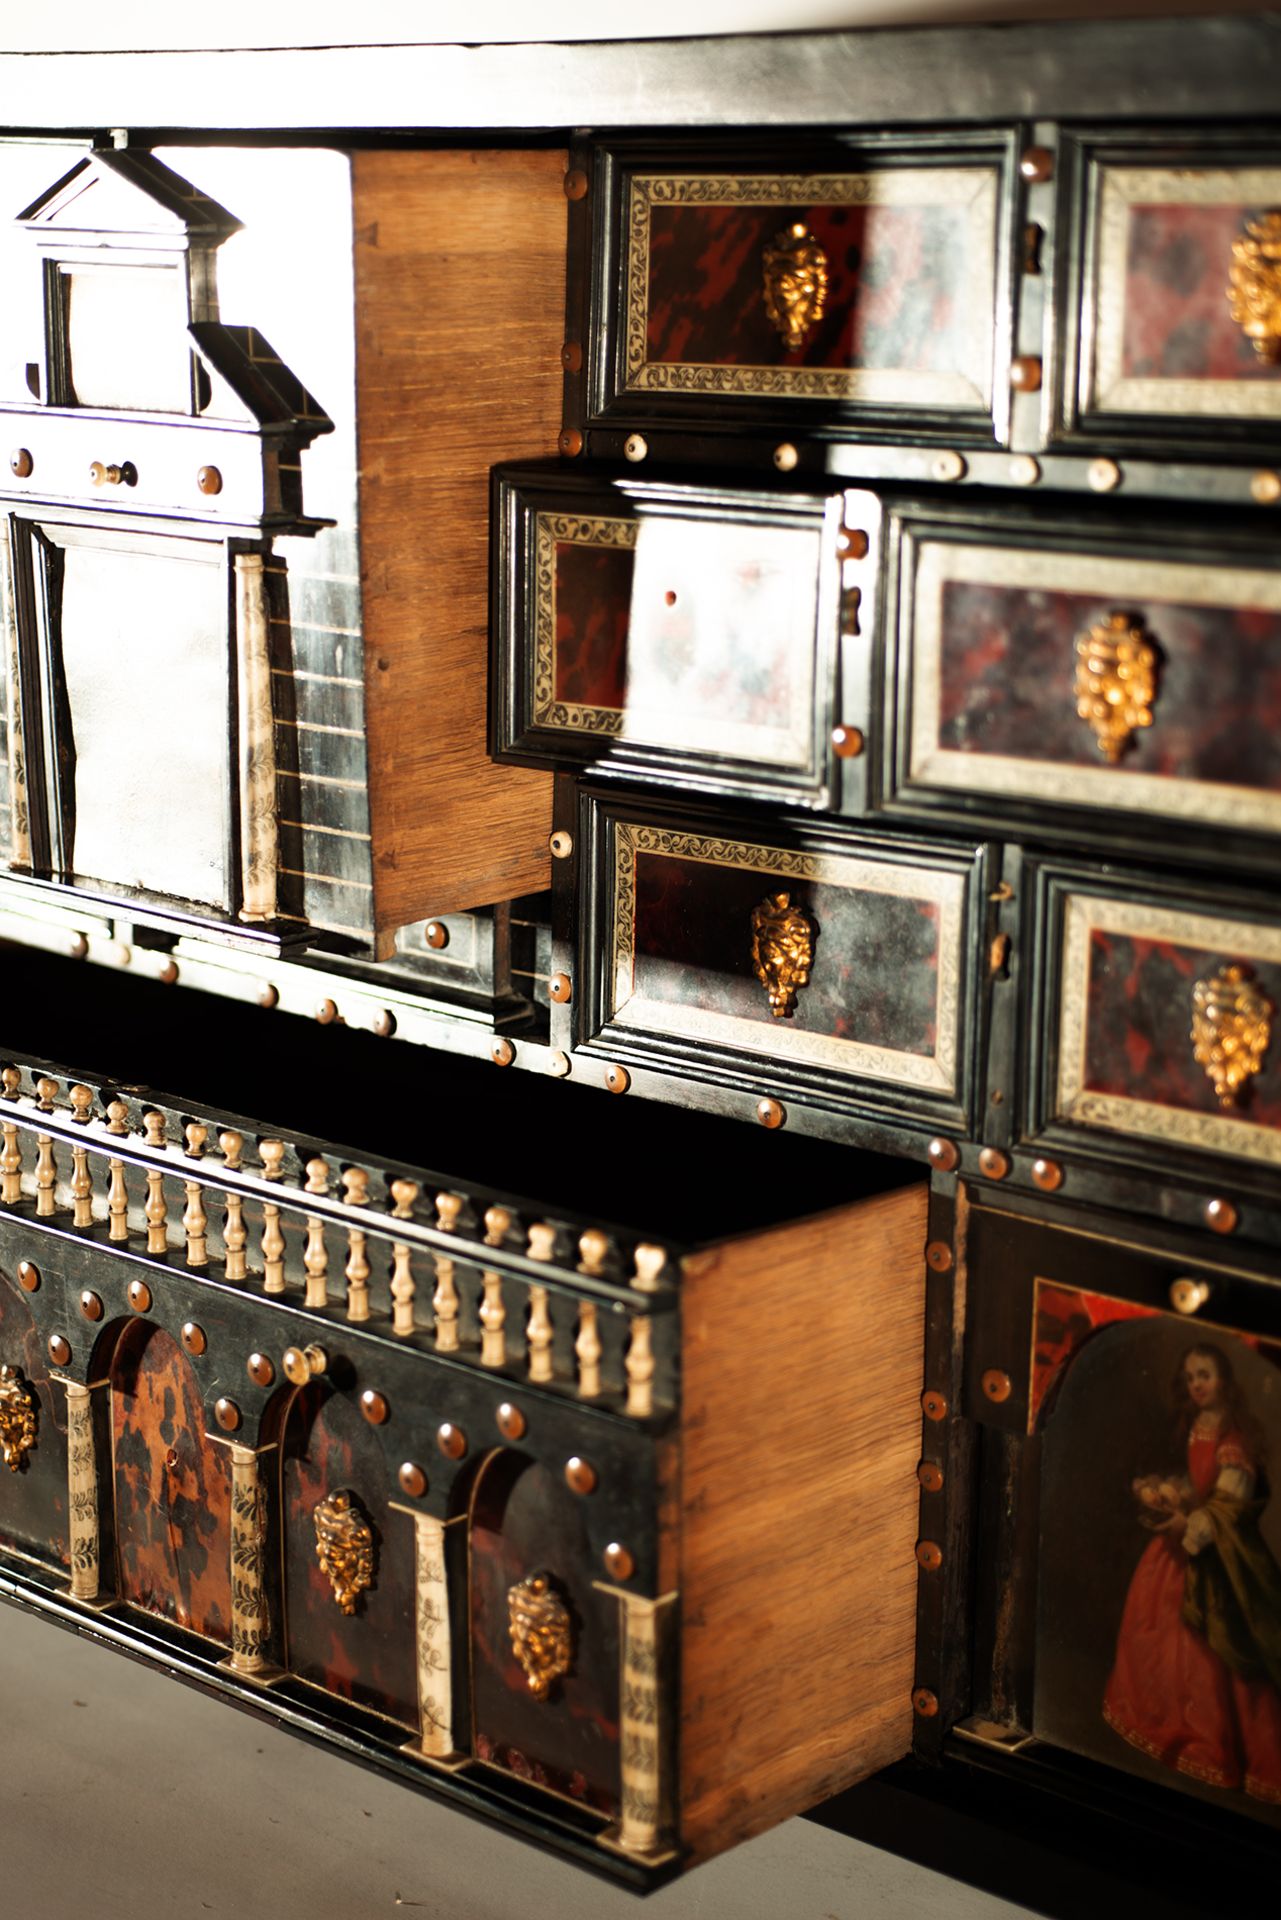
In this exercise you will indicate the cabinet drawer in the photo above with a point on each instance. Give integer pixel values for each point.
(454, 1479)
(1061, 674)
(863, 283)
(1164, 1017)
(1176, 332)
(681, 634)
(832, 966)
(1131, 1402)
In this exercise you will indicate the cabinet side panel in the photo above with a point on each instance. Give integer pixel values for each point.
(460, 302)
(801, 1422)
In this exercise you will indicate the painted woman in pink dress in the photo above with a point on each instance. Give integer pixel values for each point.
(1197, 1678)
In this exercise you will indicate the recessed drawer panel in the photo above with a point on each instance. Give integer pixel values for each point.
(678, 634)
(1043, 668)
(1166, 1019)
(858, 282)
(1180, 291)
(809, 960)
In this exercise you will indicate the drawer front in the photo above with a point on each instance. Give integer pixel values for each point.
(673, 633)
(1043, 669)
(1138, 1401)
(452, 1476)
(1165, 1020)
(1180, 291)
(822, 963)
(864, 286)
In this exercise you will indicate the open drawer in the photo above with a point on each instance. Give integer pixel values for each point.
(604, 1532)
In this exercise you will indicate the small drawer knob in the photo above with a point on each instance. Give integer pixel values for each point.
(21, 463)
(209, 480)
(1188, 1295)
(103, 475)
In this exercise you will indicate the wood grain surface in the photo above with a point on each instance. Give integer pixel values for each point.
(460, 302)
(802, 1352)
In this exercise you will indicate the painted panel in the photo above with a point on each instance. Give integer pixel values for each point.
(1164, 337)
(1126, 1050)
(692, 635)
(1158, 1644)
(524, 1521)
(172, 1488)
(367, 1656)
(33, 1499)
(882, 994)
(910, 259)
(993, 671)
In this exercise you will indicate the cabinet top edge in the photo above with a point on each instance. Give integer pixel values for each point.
(1190, 67)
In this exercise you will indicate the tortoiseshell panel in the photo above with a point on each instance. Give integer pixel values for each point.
(593, 599)
(1162, 338)
(881, 998)
(524, 1521)
(367, 1656)
(993, 665)
(910, 257)
(33, 1500)
(1126, 1056)
(172, 1486)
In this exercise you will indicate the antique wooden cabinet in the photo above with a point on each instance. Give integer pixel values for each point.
(746, 711)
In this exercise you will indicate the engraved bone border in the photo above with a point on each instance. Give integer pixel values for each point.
(936, 1072)
(973, 189)
(1218, 1133)
(1122, 580)
(551, 530)
(1107, 388)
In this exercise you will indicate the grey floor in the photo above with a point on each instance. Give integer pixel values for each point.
(125, 1796)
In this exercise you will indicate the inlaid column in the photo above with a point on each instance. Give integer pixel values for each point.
(434, 1643)
(82, 1491)
(250, 1617)
(645, 1724)
(258, 840)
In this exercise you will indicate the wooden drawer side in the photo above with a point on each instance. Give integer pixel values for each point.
(798, 1584)
(460, 299)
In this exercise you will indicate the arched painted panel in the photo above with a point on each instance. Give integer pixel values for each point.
(172, 1488)
(524, 1521)
(33, 1500)
(1159, 1571)
(367, 1656)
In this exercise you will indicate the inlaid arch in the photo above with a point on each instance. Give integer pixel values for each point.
(33, 1500)
(523, 1522)
(172, 1487)
(368, 1655)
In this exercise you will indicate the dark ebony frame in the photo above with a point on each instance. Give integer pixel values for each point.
(1085, 153)
(1111, 1168)
(1087, 527)
(841, 662)
(693, 425)
(584, 1028)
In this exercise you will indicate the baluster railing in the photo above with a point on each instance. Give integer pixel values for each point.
(403, 1193)
(315, 1256)
(156, 1210)
(493, 1310)
(271, 1153)
(444, 1300)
